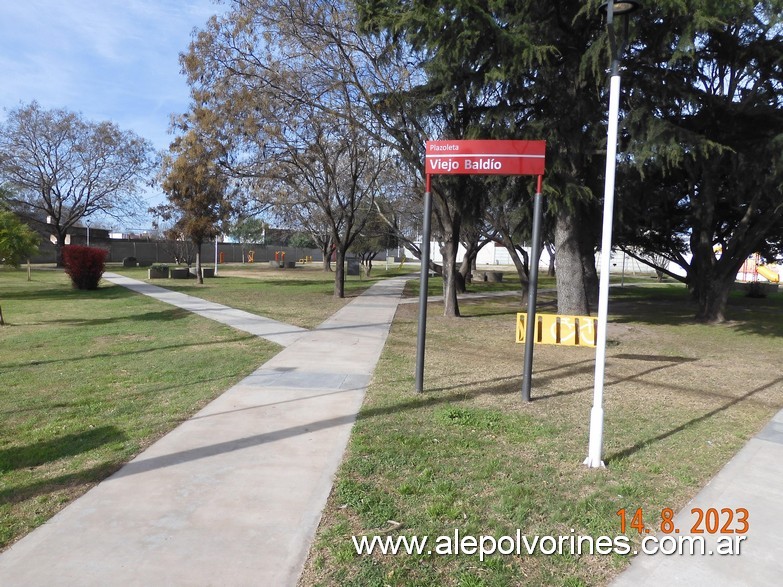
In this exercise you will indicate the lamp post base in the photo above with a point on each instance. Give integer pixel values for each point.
(593, 459)
(593, 465)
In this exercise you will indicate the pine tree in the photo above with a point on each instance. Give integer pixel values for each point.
(707, 121)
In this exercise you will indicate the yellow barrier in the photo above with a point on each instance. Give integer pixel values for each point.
(562, 330)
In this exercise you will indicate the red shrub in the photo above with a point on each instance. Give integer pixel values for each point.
(84, 265)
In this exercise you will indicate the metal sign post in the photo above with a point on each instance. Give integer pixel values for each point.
(532, 292)
(423, 287)
(474, 157)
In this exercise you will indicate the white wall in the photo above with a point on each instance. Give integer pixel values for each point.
(497, 254)
(491, 254)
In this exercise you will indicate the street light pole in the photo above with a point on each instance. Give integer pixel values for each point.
(88, 233)
(595, 446)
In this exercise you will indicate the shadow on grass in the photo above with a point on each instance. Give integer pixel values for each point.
(668, 363)
(324, 284)
(417, 402)
(52, 292)
(47, 451)
(692, 422)
(4, 366)
(160, 316)
(69, 481)
(654, 358)
(465, 309)
(674, 307)
(156, 391)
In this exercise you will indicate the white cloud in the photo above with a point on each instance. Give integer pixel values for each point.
(109, 59)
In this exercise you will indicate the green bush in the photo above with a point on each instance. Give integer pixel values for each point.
(84, 265)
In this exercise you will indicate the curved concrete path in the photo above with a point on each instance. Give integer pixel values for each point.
(233, 496)
(278, 332)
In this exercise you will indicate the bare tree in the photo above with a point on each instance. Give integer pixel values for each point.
(272, 88)
(66, 168)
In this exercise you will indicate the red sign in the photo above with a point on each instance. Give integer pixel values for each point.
(485, 157)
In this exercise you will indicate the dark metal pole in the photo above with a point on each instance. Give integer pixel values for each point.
(530, 326)
(423, 287)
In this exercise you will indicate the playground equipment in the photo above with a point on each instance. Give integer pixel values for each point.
(752, 268)
(559, 330)
(768, 273)
(307, 259)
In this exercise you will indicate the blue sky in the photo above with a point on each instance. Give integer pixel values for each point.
(108, 59)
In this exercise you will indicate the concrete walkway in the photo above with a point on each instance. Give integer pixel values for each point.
(753, 480)
(234, 495)
(278, 332)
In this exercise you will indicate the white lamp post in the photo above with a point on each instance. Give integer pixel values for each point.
(88, 233)
(595, 447)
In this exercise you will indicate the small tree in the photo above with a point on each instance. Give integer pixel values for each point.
(179, 246)
(17, 240)
(374, 238)
(196, 191)
(301, 240)
(248, 230)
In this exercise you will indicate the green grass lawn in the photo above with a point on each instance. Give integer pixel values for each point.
(510, 283)
(89, 379)
(302, 296)
(680, 398)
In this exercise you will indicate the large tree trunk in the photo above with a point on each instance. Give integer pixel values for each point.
(712, 300)
(711, 279)
(339, 274)
(708, 284)
(451, 274)
(576, 276)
